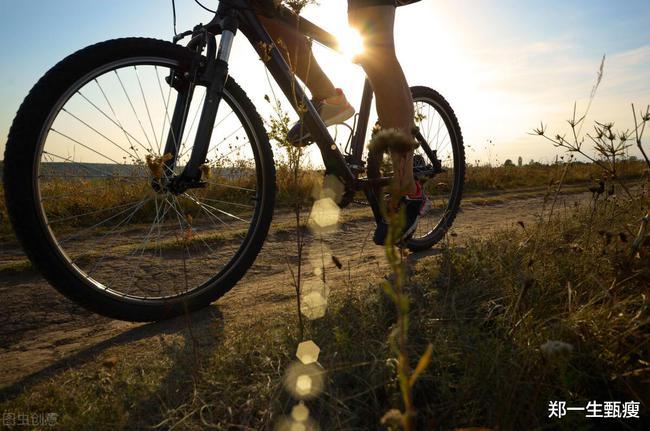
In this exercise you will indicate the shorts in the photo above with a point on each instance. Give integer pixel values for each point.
(356, 4)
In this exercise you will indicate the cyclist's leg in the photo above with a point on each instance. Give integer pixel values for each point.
(394, 101)
(300, 58)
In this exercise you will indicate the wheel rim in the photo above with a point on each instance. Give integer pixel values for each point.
(93, 185)
(437, 129)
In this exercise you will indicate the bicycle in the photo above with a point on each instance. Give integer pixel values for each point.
(143, 222)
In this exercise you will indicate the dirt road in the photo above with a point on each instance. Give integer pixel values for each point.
(42, 332)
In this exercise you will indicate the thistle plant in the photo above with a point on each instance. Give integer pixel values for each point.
(396, 141)
(610, 147)
(398, 337)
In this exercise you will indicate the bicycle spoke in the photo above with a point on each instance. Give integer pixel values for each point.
(429, 121)
(157, 221)
(228, 186)
(180, 217)
(134, 112)
(59, 220)
(213, 253)
(146, 106)
(99, 133)
(216, 147)
(124, 178)
(77, 235)
(84, 166)
(85, 146)
(112, 232)
(214, 208)
(76, 193)
(438, 136)
(223, 157)
(115, 121)
(436, 140)
(211, 216)
(228, 203)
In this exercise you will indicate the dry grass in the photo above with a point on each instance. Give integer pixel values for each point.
(6, 232)
(485, 177)
(493, 305)
(108, 193)
(487, 308)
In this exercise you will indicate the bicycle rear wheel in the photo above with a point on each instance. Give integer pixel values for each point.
(81, 167)
(441, 146)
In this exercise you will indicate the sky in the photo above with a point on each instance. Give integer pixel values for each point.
(504, 65)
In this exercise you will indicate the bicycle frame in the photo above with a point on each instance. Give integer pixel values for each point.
(232, 15)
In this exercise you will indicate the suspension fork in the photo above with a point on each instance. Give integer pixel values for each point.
(185, 86)
(215, 76)
(178, 121)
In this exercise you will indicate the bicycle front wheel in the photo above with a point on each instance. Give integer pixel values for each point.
(82, 164)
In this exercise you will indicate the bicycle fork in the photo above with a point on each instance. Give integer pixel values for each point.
(214, 76)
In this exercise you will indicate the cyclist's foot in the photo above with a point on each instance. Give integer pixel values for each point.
(415, 205)
(332, 110)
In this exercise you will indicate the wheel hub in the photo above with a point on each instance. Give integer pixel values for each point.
(176, 185)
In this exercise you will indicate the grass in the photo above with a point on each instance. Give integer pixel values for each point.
(488, 308)
(480, 181)
(494, 311)
(553, 311)
(486, 178)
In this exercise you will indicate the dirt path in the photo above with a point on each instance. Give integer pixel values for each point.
(42, 332)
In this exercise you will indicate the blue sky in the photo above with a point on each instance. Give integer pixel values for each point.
(504, 65)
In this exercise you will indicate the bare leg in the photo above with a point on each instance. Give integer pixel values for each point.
(300, 58)
(394, 101)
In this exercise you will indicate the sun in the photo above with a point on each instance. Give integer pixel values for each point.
(351, 43)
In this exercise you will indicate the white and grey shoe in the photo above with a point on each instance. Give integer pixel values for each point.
(333, 110)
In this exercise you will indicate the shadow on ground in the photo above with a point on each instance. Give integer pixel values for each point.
(201, 333)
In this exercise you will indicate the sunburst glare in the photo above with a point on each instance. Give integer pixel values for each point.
(350, 43)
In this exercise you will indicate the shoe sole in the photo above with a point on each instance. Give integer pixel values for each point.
(339, 118)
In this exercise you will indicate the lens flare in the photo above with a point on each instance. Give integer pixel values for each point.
(324, 216)
(300, 412)
(350, 43)
(307, 352)
(304, 381)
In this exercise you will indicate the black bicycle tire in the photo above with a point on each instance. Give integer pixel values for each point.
(451, 121)
(20, 186)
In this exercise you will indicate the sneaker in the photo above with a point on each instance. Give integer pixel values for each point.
(333, 110)
(415, 205)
